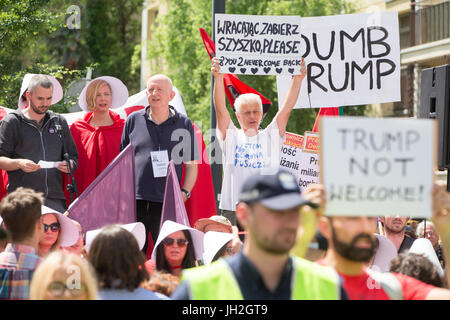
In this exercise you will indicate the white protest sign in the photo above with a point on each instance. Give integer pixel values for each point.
(377, 167)
(258, 45)
(310, 169)
(299, 156)
(351, 60)
(290, 154)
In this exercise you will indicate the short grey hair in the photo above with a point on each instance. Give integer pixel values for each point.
(421, 226)
(40, 80)
(247, 98)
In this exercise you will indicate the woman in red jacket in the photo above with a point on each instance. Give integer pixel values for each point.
(97, 134)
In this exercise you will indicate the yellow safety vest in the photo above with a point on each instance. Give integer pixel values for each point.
(217, 282)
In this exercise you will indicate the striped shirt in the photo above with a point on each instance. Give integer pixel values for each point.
(17, 265)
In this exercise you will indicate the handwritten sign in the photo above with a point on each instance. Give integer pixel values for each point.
(351, 60)
(377, 167)
(258, 45)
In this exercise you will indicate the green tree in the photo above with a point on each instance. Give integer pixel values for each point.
(22, 23)
(35, 38)
(112, 34)
(177, 50)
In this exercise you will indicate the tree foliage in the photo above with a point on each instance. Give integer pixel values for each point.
(35, 38)
(177, 50)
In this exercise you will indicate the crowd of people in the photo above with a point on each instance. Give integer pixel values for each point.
(244, 252)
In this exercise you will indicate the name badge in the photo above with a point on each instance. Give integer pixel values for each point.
(160, 163)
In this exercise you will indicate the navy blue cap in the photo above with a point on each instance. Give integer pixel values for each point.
(278, 191)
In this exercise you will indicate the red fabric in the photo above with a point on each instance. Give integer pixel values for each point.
(233, 86)
(132, 109)
(150, 245)
(97, 147)
(334, 111)
(363, 287)
(150, 266)
(3, 173)
(201, 204)
(413, 289)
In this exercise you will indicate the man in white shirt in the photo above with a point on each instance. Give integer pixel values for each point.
(247, 151)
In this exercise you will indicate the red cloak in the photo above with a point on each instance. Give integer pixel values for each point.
(97, 147)
(3, 173)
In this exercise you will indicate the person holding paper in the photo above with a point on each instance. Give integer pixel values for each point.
(352, 244)
(34, 133)
(97, 134)
(159, 134)
(248, 150)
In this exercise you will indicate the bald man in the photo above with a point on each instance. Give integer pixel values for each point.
(159, 134)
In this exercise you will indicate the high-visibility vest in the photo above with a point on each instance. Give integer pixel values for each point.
(217, 282)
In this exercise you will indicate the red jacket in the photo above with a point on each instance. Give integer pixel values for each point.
(97, 147)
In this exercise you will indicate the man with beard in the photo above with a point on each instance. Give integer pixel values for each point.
(394, 230)
(33, 134)
(269, 210)
(352, 244)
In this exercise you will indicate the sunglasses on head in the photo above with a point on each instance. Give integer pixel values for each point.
(53, 227)
(171, 242)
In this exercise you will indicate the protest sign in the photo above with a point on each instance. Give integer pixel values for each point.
(301, 162)
(290, 154)
(258, 45)
(351, 60)
(310, 169)
(377, 167)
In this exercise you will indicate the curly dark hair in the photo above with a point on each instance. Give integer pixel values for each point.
(417, 266)
(188, 260)
(117, 259)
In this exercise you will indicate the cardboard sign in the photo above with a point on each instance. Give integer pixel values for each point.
(351, 60)
(377, 167)
(258, 45)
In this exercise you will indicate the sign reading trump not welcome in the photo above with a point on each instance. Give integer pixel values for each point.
(377, 167)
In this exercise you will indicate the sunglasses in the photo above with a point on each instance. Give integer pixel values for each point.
(53, 227)
(57, 289)
(171, 242)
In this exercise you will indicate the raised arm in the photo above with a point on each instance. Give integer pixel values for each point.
(283, 114)
(222, 115)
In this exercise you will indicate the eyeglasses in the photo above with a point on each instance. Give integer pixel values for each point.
(171, 242)
(58, 288)
(53, 227)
